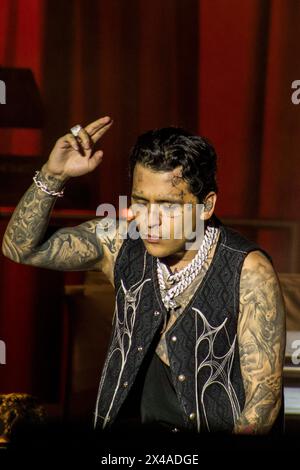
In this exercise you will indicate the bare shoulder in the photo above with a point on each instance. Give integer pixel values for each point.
(259, 283)
(255, 259)
(257, 271)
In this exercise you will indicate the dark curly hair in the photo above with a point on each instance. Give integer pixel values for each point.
(169, 147)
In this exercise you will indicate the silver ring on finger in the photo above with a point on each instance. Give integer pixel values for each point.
(75, 130)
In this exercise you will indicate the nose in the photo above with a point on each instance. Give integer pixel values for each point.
(153, 215)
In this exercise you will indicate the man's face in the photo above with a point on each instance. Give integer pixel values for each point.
(159, 200)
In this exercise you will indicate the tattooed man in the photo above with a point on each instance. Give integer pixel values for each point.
(198, 332)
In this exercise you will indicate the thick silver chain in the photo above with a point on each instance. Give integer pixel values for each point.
(44, 188)
(183, 278)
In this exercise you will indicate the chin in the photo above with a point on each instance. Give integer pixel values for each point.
(155, 249)
(159, 249)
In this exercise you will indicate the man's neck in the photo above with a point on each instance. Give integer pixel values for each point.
(183, 257)
(180, 259)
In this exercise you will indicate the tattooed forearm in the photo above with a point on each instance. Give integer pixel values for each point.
(75, 248)
(262, 408)
(261, 335)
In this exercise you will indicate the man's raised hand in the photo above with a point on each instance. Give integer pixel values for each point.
(75, 156)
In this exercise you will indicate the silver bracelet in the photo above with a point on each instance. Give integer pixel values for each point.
(44, 188)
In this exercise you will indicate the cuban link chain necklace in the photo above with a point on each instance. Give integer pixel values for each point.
(182, 279)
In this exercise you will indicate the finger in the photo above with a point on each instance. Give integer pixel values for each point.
(96, 125)
(69, 141)
(85, 139)
(94, 161)
(73, 142)
(98, 134)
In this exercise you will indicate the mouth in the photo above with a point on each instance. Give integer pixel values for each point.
(152, 239)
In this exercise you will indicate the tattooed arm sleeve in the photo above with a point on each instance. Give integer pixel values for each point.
(83, 247)
(261, 337)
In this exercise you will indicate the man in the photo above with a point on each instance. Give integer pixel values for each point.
(198, 333)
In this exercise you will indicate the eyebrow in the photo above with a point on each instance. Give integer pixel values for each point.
(175, 201)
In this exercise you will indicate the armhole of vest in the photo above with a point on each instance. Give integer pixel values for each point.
(253, 245)
(119, 255)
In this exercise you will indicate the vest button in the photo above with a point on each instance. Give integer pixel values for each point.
(156, 313)
(140, 348)
(174, 339)
(181, 378)
(192, 416)
(125, 384)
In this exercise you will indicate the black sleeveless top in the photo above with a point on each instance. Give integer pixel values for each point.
(152, 402)
(159, 402)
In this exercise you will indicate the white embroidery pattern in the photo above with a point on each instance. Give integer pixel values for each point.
(123, 330)
(220, 367)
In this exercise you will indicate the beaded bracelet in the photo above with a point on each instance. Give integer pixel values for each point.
(44, 188)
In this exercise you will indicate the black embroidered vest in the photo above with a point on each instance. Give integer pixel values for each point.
(202, 343)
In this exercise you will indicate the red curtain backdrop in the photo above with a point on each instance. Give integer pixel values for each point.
(247, 63)
(221, 68)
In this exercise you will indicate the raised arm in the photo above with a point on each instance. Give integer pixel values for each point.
(68, 249)
(261, 337)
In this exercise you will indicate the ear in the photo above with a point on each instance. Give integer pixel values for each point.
(209, 203)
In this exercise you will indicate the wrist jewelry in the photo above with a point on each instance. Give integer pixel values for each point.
(44, 188)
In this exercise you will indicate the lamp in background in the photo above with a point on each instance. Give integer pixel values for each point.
(21, 112)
